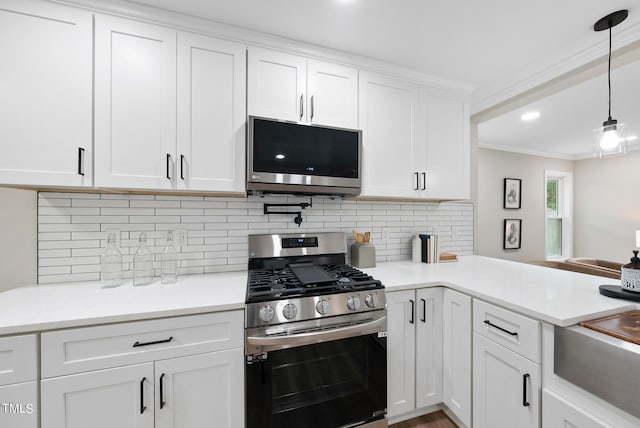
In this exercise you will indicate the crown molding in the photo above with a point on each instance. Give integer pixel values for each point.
(563, 64)
(207, 27)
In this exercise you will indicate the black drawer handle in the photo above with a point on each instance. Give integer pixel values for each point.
(182, 167)
(162, 402)
(142, 406)
(525, 377)
(417, 174)
(80, 161)
(424, 311)
(168, 166)
(137, 344)
(489, 323)
(413, 309)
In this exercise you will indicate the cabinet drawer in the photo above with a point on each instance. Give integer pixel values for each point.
(18, 359)
(559, 413)
(513, 331)
(92, 348)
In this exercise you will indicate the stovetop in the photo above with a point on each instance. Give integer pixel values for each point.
(305, 279)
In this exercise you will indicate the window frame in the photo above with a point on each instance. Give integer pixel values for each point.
(564, 199)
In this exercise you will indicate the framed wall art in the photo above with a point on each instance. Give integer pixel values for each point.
(512, 239)
(512, 193)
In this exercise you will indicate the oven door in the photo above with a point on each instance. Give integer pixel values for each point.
(324, 384)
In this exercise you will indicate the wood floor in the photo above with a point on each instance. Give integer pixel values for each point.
(432, 420)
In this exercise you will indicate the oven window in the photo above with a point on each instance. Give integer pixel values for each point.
(325, 385)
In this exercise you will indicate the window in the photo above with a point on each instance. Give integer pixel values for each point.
(558, 215)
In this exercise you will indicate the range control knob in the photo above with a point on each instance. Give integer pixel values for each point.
(371, 300)
(289, 311)
(322, 307)
(353, 303)
(266, 313)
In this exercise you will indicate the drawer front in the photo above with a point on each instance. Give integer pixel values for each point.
(18, 359)
(93, 348)
(513, 331)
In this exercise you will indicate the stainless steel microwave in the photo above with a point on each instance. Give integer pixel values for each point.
(290, 157)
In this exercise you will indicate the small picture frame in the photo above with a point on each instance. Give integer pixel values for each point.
(512, 239)
(512, 193)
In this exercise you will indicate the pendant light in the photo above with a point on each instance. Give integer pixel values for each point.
(610, 139)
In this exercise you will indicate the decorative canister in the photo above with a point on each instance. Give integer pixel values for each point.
(631, 274)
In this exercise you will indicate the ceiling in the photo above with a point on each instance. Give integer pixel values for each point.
(494, 45)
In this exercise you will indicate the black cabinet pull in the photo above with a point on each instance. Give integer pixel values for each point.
(182, 167)
(424, 311)
(162, 402)
(413, 308)
(489, 323)
(138, 344)
(80, 161)
(417, 181)
(168, 165)
(142, 406)
(525, 377)
(301, 106)
(424, 181)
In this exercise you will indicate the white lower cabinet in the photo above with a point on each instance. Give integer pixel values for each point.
(120, 397)
(457, 354)
(414, 344)
(559, 413)
(189, 389)
(201, 391)
(506, 387)
(19, 405)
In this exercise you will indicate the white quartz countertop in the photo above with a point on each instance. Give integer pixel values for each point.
(47, 307)
(555, 296)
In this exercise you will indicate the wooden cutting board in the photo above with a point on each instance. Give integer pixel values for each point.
(625, 326)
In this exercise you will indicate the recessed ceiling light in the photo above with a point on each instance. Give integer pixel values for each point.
(532, 115)
(279, 156)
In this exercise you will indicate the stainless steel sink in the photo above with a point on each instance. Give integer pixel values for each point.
(605, 366)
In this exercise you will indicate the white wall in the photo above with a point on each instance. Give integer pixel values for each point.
(493, 167)
(18, 238)
(607, 207)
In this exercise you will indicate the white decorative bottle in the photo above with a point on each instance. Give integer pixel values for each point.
(169, 262)
(416, 249)
(142, 263)
(111, 263)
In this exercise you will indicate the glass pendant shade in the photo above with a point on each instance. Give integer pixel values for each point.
(610, 139)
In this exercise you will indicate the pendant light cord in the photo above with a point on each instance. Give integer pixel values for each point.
(609, 69)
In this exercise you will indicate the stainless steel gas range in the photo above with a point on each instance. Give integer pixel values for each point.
(315, 339)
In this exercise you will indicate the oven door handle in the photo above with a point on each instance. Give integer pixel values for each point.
(280, 342)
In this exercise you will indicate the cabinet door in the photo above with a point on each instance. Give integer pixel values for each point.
(211, 114)
(447, 148)
(456, 384)
(201, 391)
(120, 397)
(45, 106)
(276, 85)
(19, 405)
(506, 387)
(332, 94)
(429, 347)
(559, 413)
(135, 104)
(387, 117)
(400, 352)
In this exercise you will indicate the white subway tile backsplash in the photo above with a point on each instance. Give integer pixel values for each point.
(72, 228)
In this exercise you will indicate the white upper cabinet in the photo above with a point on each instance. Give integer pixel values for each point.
(388, 117)
(135, 104)
(211, 114)
(446, 157)
(45, 106)
(170, 109)
(290, 87)
(332, 95)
